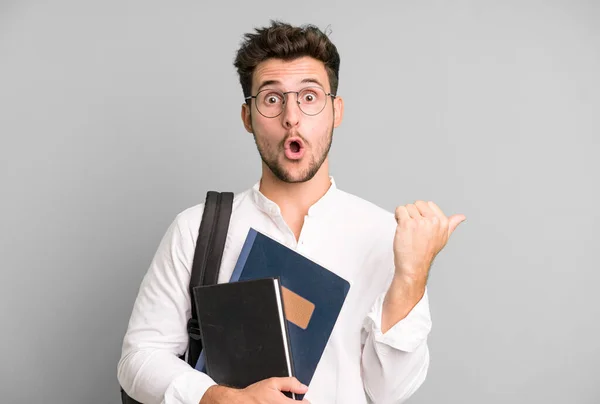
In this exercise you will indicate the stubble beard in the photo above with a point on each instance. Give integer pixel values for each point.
(271, 154)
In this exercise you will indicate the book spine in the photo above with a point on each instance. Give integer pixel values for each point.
(287, 340)
(241, 262)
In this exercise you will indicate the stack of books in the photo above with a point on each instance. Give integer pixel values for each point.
(273, 319)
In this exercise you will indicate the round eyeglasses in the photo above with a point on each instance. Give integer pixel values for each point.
(270, 103)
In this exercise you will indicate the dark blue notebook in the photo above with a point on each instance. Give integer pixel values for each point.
(313, 299)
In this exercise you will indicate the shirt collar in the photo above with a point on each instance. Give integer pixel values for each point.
(271, 208)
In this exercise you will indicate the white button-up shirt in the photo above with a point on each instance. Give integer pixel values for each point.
(346, 234)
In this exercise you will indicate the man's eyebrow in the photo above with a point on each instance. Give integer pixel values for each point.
(314, 81)
(267, 83)
(306, 80)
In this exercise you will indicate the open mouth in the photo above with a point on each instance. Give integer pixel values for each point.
(294, 148)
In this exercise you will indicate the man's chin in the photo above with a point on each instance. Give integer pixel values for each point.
(293, 178)
(293, 175)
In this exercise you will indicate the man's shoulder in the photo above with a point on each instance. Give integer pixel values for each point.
(191, 216)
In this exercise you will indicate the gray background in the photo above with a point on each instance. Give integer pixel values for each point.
(117, 115)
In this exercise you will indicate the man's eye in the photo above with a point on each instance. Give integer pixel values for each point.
(272, 99)
(309, 97)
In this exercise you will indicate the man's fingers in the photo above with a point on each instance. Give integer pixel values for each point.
(289, 384)
(402, 213)
(292, 401)
(436, 209)
(425, 209)
(428, 209)
(413, 211)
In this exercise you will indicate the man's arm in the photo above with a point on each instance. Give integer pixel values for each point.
(395, 361)
(149, 369)
(395, 355)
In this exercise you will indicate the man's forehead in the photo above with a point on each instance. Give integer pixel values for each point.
(289, 72)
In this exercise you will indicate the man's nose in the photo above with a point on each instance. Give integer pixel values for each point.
(291, 111)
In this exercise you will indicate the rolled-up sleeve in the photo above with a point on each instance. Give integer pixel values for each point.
(150, 369)
(395, 364)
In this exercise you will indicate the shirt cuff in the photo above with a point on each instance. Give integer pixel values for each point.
(188, 388)
(408, 333)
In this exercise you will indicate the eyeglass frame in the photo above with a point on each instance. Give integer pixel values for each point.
(285, 97)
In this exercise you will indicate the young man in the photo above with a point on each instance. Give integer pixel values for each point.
(378, 350)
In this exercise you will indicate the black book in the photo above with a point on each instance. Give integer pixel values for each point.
(244, 332)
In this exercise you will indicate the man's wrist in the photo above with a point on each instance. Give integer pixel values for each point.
(402, 296)
(216, 394)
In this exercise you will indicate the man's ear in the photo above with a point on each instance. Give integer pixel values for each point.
(338, 111)
(246, 117)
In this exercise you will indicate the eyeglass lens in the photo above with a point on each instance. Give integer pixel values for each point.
(311, 101)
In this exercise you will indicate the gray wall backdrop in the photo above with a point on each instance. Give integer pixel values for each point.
(117, 115)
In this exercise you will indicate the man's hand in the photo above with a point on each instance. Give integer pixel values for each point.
(268, 391)
(422, 231)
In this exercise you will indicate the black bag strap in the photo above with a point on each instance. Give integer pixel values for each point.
(207, 257)
(213, 263)
(207, 262)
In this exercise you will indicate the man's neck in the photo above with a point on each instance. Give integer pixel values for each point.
(295, 198)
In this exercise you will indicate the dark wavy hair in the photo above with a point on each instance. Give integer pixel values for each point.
(284, 41)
